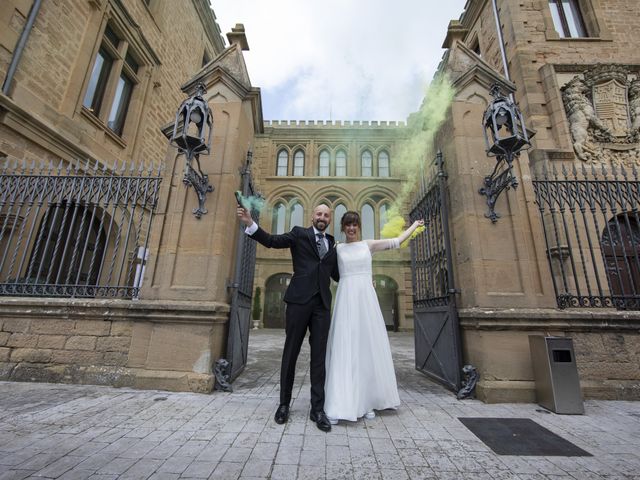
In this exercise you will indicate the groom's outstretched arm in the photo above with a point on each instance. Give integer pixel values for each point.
(284, 240)
(252, 229)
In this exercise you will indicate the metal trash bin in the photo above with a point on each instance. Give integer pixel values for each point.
(556, 374)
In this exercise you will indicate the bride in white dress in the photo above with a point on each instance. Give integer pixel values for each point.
(360, 376)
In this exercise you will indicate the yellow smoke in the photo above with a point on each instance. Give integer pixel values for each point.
(394, 228)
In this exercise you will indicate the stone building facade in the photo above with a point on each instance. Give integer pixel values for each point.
(548, 266)
(348, 166)
(91, 292)
(90, 88)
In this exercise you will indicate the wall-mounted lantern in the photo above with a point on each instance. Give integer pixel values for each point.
(505, 136)
(192, 136)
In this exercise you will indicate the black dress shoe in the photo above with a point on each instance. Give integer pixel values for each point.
(322, 422)
(282, 414)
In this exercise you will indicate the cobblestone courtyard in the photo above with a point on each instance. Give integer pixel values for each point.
(77, 432)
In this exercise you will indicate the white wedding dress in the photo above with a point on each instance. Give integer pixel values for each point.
(360, 376)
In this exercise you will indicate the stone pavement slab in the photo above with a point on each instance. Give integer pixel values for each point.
(81, 432)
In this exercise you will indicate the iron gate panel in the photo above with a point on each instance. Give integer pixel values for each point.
(591, 223)
(436, 326)
(242, 288)
(75, 230)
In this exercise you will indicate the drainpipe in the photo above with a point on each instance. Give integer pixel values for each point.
(501, 44)
(20, 47)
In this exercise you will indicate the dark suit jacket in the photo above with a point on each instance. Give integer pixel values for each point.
(310, 273)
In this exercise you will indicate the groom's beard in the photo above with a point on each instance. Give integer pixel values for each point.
(320, 225)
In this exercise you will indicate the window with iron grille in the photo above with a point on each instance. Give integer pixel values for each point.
(75, 231)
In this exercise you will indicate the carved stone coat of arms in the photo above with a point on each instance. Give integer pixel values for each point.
(603, 109)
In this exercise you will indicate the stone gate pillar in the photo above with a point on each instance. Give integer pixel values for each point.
(191, 259)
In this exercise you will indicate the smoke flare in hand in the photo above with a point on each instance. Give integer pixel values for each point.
(395, 226)
(251, 202)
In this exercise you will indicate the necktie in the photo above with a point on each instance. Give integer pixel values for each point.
(322, 248)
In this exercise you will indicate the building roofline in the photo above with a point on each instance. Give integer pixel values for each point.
(208, 18)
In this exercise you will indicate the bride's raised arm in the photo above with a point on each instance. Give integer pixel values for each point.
(390, 243)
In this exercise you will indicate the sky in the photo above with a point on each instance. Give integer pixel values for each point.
(340, 59)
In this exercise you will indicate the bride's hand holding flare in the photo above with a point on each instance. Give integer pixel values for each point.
(416, 228)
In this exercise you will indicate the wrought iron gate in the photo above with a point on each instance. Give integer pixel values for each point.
(242, 288)
(75, 230)
(591, 224)
(436, 326)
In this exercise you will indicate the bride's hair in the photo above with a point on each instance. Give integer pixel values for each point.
(350, 218)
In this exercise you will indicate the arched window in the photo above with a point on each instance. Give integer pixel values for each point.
(277, 223)
(383, 164)
(367, 220)
(298, 164)
(341, 164)
(283, 163)
(297, 218)
(338, 212)
(384, 210)
(367, 164)
(323, 169)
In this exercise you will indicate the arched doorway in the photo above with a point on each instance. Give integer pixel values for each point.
(387, 291)
(621, 251)
(274, 307)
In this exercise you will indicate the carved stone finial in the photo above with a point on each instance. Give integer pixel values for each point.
(238, 36)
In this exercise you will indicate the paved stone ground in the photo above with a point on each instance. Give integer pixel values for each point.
(73, 432)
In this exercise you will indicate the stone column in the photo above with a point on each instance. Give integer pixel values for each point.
(191, 260)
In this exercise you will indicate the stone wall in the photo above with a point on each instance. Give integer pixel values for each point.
(502, 269)
(168, 40)
(606, 344)
(111, 342)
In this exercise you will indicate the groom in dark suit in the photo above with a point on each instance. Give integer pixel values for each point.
(308, 300)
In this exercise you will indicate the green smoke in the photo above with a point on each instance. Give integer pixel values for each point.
(251, 202)
(419, 146)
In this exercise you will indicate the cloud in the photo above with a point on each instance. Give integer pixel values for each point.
(341, 59)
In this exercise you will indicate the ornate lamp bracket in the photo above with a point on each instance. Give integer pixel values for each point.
(192, 136)
(200, 183)
(495, 183)
(505, 136)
